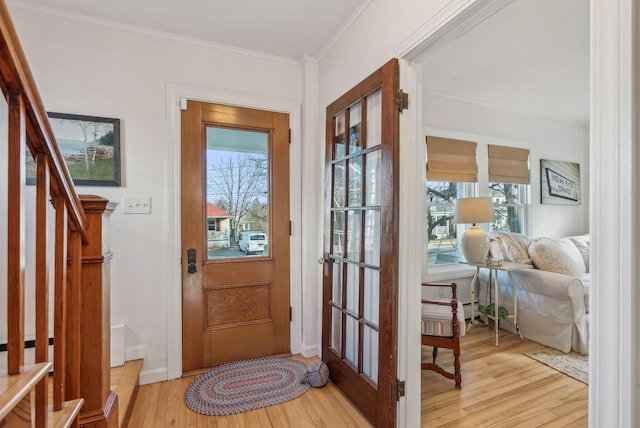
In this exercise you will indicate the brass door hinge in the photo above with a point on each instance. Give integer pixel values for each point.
(401, 100)
(397, 390)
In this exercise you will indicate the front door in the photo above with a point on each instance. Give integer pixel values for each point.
(235, 234)
(360, 276)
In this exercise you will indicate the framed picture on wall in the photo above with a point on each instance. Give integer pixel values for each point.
(90, 147)
(560, 183)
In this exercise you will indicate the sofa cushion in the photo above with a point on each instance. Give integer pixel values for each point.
(583, 244)
(559, 256)
(511, 247)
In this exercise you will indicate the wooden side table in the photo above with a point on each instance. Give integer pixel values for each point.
(493, 273)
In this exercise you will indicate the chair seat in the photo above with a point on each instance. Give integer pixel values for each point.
(436, 319)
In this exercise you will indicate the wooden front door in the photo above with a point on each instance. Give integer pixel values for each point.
(360, 276)
(235, 234)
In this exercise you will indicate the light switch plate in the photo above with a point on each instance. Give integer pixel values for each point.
(137, 204)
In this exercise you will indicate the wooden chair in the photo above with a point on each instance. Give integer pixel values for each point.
(443, 324)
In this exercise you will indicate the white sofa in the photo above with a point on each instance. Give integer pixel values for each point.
(553, 298)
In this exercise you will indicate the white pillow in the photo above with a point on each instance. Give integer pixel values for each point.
(513, 247)
(557, 256)
(583, 244)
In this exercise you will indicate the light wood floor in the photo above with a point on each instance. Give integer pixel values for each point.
(161, 405)
(500, 387)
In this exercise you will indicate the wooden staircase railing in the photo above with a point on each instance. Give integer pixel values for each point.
(76, 241)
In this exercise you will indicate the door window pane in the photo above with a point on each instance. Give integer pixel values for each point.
(336, 284)
(371, 295)
(237, 186)
(339, 184)
(339, 136)
(355, 118)
(374, 119)
(372, 161)
(353, 287)
(372, 237)
(338, 233)
(354, 229)
(355, 182)
(351, 341)
(370, 354)
(336, 330)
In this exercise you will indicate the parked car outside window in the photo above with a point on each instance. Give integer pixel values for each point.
(253, 242)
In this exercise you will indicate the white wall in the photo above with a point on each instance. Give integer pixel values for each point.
(99, 70)
(545, 138)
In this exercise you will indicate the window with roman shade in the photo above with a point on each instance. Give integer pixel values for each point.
(452, 171)
(509, 188)
(451, 160)
(508, 165)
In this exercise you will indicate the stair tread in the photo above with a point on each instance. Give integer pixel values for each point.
(64, 417)
(13, 388)
(126, 388)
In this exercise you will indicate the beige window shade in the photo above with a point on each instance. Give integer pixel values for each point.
(508, 165)
(451, 160)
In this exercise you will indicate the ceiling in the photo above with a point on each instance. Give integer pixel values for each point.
(531, 57)
(285, 28)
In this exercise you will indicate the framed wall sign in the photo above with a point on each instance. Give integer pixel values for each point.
(90, 147)
(560, 183)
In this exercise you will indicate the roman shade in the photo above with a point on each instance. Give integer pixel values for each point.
(508, 165)
(451, 160)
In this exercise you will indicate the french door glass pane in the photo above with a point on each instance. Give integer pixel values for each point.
(336, 285)
(372, 237)
(339, 136)
(351, 341)
(338, 233)
(336, 330)
(339, 184)
(237, 184)
(354, 230)
(371, 295)
(355, 119)
(374, 119)
(355, 182)
(353, 287)
(372, 184)
(370, 354)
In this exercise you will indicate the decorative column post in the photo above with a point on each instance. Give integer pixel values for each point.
(100, 403)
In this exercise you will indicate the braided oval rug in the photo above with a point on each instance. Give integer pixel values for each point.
(246, 385)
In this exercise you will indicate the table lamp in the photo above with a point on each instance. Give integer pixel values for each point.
(475, 241)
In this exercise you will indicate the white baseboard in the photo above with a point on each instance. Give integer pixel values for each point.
(153, 376)
(310, 351)
(135, 353)
(118, 347)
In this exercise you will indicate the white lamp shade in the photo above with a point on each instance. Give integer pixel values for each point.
(473, 210)
(475, 245)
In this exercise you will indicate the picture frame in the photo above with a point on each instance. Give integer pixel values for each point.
(560, 183)
(90, 147)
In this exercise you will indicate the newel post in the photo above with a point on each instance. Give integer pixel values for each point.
(100, 403)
